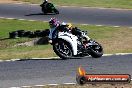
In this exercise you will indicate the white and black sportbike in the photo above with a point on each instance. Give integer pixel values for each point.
(67, 45)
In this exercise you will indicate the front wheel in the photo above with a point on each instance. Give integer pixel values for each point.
(96, 50)
(62, 49)
(56, 11)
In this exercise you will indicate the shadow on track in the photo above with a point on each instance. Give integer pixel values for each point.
(34, 14)
(56, 58)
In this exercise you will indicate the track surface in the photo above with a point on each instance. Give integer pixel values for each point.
(69, 14)
(40, 72)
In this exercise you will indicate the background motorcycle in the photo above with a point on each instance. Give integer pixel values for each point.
(49, 8)
(66, 45)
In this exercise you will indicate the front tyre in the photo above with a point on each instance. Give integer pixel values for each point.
(96, 50)
(56, 11)
(62, 49)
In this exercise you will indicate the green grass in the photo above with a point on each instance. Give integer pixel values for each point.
(112, 39)
(127, 4)
(11, 25)
(7, 51)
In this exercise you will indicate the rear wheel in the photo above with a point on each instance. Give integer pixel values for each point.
(62, 49)
(44, 10)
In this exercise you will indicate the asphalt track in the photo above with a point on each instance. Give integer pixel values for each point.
(40, 72)
(69, 14)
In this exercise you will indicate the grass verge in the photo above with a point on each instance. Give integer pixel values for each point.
(126, 4)
(113, 40)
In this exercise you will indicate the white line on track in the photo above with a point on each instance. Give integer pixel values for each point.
(84, 24)
(15, 59)
(21, 19)
(46, 85)
(47, 21)
(53, 84)
(58, 57)
(99, 25)
(69, 83)
(25, 86)
(116, 26)
(39, 85)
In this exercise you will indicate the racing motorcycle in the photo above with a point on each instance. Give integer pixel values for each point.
(66, 45)
(48, 8)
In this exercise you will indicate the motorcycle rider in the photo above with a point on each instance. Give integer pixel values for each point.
(76, 31)
(45, 3)
(53, 23)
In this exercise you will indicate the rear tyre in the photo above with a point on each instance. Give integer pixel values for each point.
(44, 10)
(62, 49)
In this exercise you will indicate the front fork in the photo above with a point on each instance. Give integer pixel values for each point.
(85, 47)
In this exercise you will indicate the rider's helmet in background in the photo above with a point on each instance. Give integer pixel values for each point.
(45, 0)
(53, 22)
